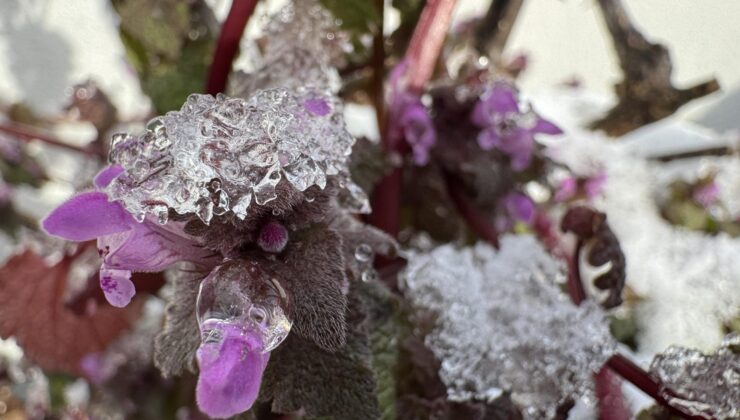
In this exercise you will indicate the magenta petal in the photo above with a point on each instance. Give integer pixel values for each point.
(117, 286)
(139, 249)
(87, 216)
(230, 372)
(520, 207)
(546, 127)
(108, 174)
(317, 107)
(566, 190)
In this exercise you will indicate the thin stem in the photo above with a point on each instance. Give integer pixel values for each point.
(378, 61)
(646, 383)
(228, 44)
(495, 27)
(477, 221)
(26, 134)
(426, 42)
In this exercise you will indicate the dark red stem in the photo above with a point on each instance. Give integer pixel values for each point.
(421, 56)
(228, 44)
(476, 220)
(27, 134)
(608, 389)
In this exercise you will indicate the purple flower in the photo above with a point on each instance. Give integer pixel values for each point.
(232, 360)
(519, 207)
(566, 190)
(125, 244)
(506, 127)
(707, 194)
(410, 119)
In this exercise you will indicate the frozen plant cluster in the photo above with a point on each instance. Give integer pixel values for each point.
(705, 384)
(502, 324)
(218, 154)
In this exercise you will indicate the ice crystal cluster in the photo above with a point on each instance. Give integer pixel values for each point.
(703, 384)
(303, 42)
(218, 154)
(502, 324)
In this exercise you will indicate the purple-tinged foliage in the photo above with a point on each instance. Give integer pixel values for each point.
(707, 194)
(507, 127)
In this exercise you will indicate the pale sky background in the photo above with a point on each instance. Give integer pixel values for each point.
(47, 45)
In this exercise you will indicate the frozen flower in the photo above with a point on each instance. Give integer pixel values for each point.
(125, 244)
(220, 156)
(242, 316)
(503, 324)
(412, 122)
(507, 127)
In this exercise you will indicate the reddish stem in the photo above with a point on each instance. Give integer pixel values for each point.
(421, 56)
(228, 44)
(476, 220)
(646, 383)
(27, 134)
(608, 389)
(426, 42)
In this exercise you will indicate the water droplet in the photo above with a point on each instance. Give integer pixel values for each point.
(369, 275)
(363, 253)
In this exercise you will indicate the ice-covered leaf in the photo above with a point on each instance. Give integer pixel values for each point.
(503, 325)
(219, 155)
(706, 385)
(33, 310)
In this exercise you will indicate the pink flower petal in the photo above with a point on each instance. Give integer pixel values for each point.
(117, 286)
(87, 216)
(230, 371)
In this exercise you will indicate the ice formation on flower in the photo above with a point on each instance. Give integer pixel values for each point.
(507, 126)
(243, 316)
(125, 244)
(219, 155)
(704, 384)
(502, 324)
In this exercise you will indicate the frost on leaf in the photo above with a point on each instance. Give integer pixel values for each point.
(502, 325)
(219, 155)
(52, 335)
(704, 384)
